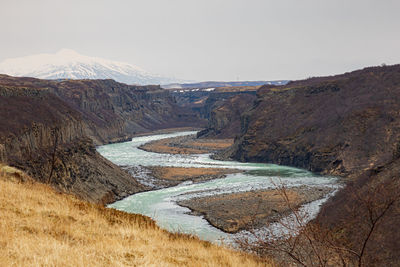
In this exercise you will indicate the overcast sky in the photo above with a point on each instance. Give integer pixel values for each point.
(210, 39)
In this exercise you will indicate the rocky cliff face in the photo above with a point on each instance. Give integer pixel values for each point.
(346, 125)
(114, 111)
(49, 129)
(218, 98)
(203, 101)
(44, 136)
(225, 119)
(339, 125)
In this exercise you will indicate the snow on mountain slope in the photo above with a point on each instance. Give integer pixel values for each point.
(68, 64)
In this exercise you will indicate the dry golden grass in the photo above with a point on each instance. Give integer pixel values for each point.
(40, 227)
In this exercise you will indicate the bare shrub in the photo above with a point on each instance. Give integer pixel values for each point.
(296, 241)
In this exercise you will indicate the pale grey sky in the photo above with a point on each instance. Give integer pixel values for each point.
(210, 39)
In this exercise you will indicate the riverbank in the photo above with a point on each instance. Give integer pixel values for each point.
(187, 145)
(232, 213)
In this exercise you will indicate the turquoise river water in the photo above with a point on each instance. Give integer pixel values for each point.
(161, 204)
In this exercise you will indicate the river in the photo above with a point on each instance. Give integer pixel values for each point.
(161, 204)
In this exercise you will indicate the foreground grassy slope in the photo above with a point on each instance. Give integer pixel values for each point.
(40, 227)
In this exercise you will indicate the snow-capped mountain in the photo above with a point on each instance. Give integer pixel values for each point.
(68, 64)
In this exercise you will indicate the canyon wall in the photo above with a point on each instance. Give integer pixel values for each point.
(115, 111)
(204, 102)
(225, 119)
(50, 128)
(44, 136)
(346, 125)
(339, 125)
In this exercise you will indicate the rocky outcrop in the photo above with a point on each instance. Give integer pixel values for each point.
(2, 153)
(217, 98)
(46, 137)
(204, 102)
(225, 120)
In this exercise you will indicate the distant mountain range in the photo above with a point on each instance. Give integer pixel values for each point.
(68, 64)
(212, 84)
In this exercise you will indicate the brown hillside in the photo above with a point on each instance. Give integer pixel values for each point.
(340, 125)
(346, 125)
